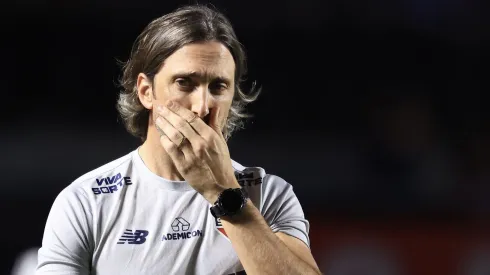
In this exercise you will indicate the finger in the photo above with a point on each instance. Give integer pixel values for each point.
(215, 121)
(174, 136)
(197, 123)
(167, 129)
(172, 149)
(180, 124)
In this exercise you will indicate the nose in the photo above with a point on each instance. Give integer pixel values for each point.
(201, 102)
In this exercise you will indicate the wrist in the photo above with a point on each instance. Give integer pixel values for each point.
(244, 216)
(212, 194)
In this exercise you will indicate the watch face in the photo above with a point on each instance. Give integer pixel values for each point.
(231, 200)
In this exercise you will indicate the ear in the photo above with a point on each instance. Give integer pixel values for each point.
(145, 91)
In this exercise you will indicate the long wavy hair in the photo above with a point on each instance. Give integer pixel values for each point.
(160, 39)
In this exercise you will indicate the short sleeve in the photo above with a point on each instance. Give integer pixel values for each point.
(282, 210)
(67, 241)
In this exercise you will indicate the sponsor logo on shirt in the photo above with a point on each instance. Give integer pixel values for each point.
(248, 178)
(112, 184)
(220, 227)
(181, 231)
(130, 237)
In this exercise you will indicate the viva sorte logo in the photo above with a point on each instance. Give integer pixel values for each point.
(109, 185)
(181, 231)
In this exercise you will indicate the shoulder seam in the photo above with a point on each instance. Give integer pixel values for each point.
(81, 179)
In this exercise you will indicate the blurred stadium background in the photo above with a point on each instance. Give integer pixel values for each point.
(375, 111)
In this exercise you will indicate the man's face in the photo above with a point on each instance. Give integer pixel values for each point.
(200, 77)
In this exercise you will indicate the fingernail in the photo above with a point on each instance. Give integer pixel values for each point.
(169, 103)
(160, 108)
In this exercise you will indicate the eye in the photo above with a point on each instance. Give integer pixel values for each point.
(184, 82)
(218, 87)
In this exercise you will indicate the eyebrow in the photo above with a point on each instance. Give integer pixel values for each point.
(198, 75)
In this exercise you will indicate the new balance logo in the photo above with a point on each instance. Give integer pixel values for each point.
(136, 237)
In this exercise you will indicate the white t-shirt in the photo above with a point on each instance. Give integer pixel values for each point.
(123, 219)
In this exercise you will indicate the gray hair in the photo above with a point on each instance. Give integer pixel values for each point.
(160, 39)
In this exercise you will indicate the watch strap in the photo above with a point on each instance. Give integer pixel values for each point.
(217, 211)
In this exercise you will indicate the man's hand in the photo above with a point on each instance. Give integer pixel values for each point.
(199, 151)
(201, 155)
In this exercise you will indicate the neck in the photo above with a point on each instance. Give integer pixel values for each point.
(156, 158)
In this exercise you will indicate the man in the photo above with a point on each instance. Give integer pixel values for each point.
(178, 204)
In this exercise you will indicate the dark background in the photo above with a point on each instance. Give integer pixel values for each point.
(375, 111)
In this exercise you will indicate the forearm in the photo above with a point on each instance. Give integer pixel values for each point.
(258, 248)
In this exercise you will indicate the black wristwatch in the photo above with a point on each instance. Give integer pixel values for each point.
(230, 202)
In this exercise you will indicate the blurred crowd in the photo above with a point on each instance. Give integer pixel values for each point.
(410, 152)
